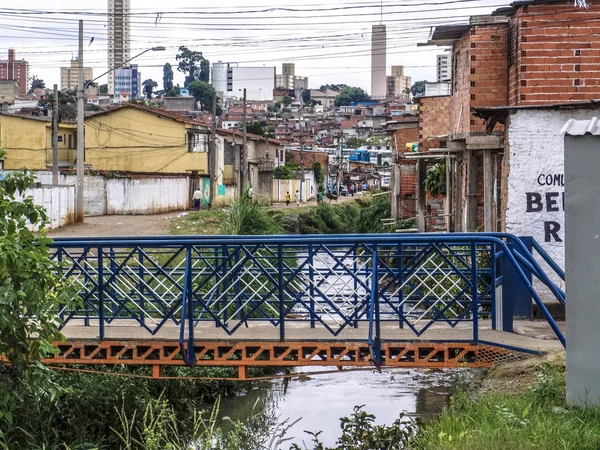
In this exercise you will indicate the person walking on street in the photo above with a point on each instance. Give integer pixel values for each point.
(297, 198)
(197, 198)
(320, 197)
(288, 198)
(251, 193)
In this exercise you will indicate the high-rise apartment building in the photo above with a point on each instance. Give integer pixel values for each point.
(443, 67)
(398, 84)
(128, 79)
(118, 37)
(69, 76)
(378, 62)
(13, 69)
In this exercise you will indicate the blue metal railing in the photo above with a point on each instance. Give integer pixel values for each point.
(325, 281)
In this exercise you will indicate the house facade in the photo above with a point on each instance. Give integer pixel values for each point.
(517, 76)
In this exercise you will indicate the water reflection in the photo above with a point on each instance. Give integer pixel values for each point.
(322, 400)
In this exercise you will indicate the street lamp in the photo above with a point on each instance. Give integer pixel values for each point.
(81, 86)
(160, 48)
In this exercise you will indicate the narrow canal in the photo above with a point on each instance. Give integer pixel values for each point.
(320, 401)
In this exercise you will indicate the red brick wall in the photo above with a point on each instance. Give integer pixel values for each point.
(558, 54)
(310, 158)
(460, 101)
(408, 188)
(434, 120)
(488, 77)
(483, 75)
(401, 137)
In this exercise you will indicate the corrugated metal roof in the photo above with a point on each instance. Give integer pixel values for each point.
(582, 127)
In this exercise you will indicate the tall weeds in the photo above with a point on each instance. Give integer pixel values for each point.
(246, 217)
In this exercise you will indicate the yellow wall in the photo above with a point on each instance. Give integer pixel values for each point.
(28, 142)
(130, 139)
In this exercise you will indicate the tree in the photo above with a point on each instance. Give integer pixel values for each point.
(149, 86)
(67, 104)
(418, 88)
(349, 95)
(32, 291)
(193, 64)
(286, 100)
(203, 93)
(333, 87)
(173, 92)
(306, 95)
(36, 83)
(255, 128)
(355, 142)
(167, 77)
(103, 88)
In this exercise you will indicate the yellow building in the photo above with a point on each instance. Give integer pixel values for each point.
(69, 76)
(135, 138)
(27, 142)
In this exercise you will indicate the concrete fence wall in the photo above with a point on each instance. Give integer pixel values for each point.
(58, 201)
(281, 187)
(150, 195)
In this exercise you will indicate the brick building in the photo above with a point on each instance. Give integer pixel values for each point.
(13, 69)
(403, 130)
(536, 52)
(517, 76)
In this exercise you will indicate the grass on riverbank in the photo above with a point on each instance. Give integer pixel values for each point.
(537, 418)
(199, 222)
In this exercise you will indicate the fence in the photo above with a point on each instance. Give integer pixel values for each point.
(310, 286)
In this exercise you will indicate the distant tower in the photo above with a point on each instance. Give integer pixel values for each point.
(378, 62)
(443, 67)
(118, 37)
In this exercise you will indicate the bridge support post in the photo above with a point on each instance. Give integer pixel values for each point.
(156, 371)
(100, 293)
(513, 299)
(243, 372)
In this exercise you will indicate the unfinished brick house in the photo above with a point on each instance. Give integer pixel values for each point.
(533, 54)
(517, 76)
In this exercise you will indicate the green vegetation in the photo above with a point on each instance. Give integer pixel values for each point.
(435, 180)
(29, 287)
(361, 215)
(247, 217)
(349, 95)
(537, 418)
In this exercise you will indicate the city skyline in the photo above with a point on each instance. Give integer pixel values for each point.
(329, 43)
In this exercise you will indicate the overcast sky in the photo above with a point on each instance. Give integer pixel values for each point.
(328, 40)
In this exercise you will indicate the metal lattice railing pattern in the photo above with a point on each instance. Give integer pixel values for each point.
(332, 283)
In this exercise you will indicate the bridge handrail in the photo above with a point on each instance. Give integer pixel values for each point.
(495, 240)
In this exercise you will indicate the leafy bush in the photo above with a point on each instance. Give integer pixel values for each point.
(435, 180)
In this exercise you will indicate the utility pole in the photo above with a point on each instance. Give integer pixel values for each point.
(80, 130)
(301, 151)
(55, 137)
(213, 162)
(244, 152)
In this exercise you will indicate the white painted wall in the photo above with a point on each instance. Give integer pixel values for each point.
(146, 195)
(58, 201)
(281, 187)
(128, 195)
(537, 173)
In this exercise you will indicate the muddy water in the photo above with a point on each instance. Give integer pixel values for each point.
(321, 400)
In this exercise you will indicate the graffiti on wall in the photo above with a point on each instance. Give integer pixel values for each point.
(549, 197)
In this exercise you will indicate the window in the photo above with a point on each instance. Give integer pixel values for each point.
(197, 142)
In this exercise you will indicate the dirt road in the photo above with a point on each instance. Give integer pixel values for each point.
(108, 226)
